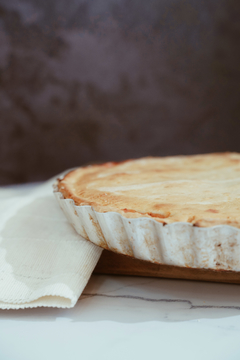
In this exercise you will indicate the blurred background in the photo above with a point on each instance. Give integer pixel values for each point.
(98, 80)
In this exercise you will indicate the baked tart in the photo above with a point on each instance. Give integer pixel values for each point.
(178, 210)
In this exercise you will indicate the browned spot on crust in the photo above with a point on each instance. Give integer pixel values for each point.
(114, 163)
(212, 211)
(191, 218)
(155, 215)
(160, 206)
(160, 216)
(118, 174)
(214, 222)
(129, 210)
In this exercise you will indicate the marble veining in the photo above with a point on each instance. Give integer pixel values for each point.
(85, 295)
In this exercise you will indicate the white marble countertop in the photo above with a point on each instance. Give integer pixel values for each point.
(129, 318)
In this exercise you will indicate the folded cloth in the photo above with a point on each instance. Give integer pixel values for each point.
(43, 261)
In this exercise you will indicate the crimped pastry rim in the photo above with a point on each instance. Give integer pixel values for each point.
(56, 190)
(166, 211)
(202, 242)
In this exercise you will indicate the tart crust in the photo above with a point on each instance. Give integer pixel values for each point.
(203, 190)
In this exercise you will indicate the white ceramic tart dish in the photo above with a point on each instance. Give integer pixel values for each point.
(180, 210)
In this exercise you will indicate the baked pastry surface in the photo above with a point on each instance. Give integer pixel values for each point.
(200, 189)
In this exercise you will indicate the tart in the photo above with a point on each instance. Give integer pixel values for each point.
(179, 210)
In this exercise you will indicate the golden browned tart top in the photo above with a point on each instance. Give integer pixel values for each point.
(200, 189)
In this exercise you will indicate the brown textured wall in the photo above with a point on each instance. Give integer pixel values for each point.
(106, 80)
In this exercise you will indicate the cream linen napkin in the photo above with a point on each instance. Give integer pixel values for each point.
(43, 261)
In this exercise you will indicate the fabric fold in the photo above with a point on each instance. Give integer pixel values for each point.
(43, 261)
